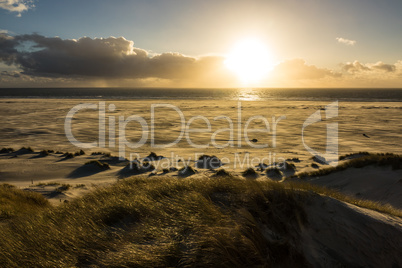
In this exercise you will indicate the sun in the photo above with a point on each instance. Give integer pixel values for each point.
(250, 60)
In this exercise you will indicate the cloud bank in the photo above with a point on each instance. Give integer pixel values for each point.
(345, 41)
(100, 57)
(36, 60)
(18, 6)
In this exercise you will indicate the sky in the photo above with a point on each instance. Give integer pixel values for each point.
(188, 43)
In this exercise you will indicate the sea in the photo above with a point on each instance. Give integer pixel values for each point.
(242, 94)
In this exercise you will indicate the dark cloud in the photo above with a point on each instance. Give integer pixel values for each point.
(109, 57)
(8, 50)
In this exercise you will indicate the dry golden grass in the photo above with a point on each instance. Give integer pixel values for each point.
(163, 222)
(15, 202)
(393, 160)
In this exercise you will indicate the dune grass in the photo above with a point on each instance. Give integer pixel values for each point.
(163, 222)
(55, 184)
(6, 150)
(101, 153)
(250, 173)
(222, 173)
(64, 187)
(187, 171)
(15, 202)
(392, 160)
(68, 155)
(29, 149)
(208, 162)
(351, 155)
(100, 165)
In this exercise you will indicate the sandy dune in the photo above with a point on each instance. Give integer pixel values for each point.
(380, 184)
(343, 235)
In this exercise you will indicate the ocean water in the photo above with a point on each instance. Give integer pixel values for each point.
(242, 94)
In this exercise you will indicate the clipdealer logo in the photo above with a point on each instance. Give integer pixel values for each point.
(237, 130)
(331, 150)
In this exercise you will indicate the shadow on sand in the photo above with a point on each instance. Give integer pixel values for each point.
(88, 169)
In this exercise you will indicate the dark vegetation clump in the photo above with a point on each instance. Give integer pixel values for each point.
(6, 150)
(274, 173)
(43, 184)
(208, 162)
(148, 166)
(288, 166)
(353, 155)
(25, 150)
(250, 173)
(101, 165)
(68, 155)
(262, 166)
(101, 153)
(388, 159)
(135, 167)
(63, 188)
(187, 171)
(29, 149)
(319, 159)
(44, 153)
(7, 186)
(295, 159)
(89, 168)
(153, 157)
(314, 165)
(222, 173)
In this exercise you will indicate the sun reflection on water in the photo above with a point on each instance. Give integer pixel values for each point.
(248, 94)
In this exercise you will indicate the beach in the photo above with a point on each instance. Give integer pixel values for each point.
(183, 130)
(40, 123)
(68, 150)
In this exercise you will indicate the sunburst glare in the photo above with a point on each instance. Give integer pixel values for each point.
(251, 60)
